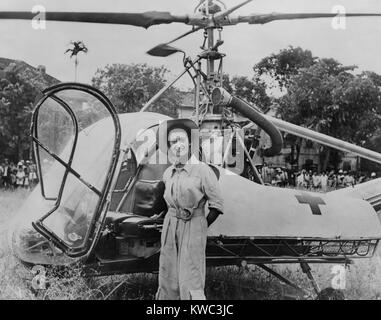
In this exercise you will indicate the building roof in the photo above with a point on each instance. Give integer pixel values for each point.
(41, 79)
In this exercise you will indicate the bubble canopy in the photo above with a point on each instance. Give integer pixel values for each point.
(75, 175)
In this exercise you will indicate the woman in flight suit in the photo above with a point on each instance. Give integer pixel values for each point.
(189, 185)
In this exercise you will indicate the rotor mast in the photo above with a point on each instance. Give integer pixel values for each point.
(213, 14)
(215, 17)
(209, 9)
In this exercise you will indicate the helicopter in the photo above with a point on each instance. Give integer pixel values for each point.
(99, 200)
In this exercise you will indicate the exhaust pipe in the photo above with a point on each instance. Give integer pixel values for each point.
(220, 97)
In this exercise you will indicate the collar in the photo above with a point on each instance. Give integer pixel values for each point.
(187, 167)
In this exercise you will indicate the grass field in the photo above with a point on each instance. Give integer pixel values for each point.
(362, 279)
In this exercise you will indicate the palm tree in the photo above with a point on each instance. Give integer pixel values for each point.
(77, 47)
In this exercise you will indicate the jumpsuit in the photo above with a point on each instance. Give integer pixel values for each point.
(182, 264)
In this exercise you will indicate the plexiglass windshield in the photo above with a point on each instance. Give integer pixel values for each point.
(75, 140)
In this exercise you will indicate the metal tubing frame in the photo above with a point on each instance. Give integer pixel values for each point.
(307, 270)
(281, 278)
(165, 88)
(258, 176)
(325, 139)
(296, 256)
(101, 208)
(34, 135)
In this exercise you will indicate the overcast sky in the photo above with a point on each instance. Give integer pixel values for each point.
(245, 45)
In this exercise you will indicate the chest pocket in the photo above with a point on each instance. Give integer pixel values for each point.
(190, 192)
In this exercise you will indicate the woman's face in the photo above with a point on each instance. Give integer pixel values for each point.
(178, 145)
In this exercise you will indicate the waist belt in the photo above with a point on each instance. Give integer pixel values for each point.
(185, 214)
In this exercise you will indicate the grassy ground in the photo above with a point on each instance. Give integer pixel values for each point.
(362, 280)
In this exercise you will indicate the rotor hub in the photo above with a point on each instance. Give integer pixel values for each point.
(210, 7)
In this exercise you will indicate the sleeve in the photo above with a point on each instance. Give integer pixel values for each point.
(212, 190)
(166, 175)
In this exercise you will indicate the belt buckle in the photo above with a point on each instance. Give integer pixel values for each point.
(184, 214)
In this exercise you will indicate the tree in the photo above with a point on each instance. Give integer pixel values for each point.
(280, 67)
(329, 99)
(78, 46)
(252, 91)
(129, 87)
(17, 95)
(376, 78)
(323, 95)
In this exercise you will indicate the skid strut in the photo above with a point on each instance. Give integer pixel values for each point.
(307, 270)
(283, 279)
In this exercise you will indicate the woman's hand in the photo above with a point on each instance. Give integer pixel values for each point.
(212, 216)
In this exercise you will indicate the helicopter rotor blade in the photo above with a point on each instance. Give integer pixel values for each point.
(163, 50)
(144, 19)
(266, 18)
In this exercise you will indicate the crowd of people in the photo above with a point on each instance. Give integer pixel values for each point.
(22, 174)
(312, 180)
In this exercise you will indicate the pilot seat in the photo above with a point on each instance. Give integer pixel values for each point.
(133, 225)
(141, 212)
